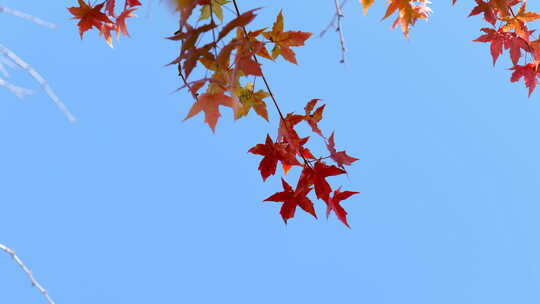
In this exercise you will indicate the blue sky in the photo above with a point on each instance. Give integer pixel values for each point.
(132, 205)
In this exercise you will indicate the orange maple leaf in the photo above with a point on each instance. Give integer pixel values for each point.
(209, 103)
(284, 40)
(89, 16)
(121, 22)
(408, 13)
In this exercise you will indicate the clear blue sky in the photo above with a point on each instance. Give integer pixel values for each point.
(132, 205)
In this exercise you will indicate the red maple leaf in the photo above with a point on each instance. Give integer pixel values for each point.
(287, 133)
(239, 21)
(516, 44)
(490, 15)
(273, 152)
(209, 103)
(105, 31)
(529, 72)
(244, 58)
(314, 118)
(291, 199)
(189, 53)
(121, 21)
(299, 149)
(497, 39)
(89, 16)
(131, 3)
(109, 7)
(333, 204)
(508, 40)
(316, 176)
(341, 157)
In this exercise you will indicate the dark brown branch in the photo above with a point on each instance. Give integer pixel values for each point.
(267, 85)
(213, 30)
(263, 77)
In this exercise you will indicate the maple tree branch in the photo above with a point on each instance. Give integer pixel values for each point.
(213, 30)
(186, 83)
(339, 29)
(267, 85)
(37, 77)
(262, 74)
(28, 273)
(27, 17)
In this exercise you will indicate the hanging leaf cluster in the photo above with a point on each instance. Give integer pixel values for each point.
(509, 31)
(230, 56)
(103, 17)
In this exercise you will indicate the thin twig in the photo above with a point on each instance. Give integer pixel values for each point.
(28, 273)
(267, 85)
(195, 96)
(339, 29)
(3, 69)
(18, 91)
(213, 30)
(262, 74)
(27, 17)
(333, 21)
(25, 66)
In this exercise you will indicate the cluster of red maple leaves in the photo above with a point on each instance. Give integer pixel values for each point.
(231, 64)
(230, 58)
(288, 147)
(103, 18)
(509, 31)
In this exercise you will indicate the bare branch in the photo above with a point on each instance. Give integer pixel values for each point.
(333, 21)
(27, 17)
(18, 91)
(27, 271)
(3, 69)
(25, 66)
(339, 29)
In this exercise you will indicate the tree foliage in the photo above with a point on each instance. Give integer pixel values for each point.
(231, 55)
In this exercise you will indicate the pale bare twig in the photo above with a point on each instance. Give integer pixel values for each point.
(28, 273)
(27, 17)
(18, 91)
(7, 62)
(25, 66)
(333, 21)
(3, 69)
(339, 29)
